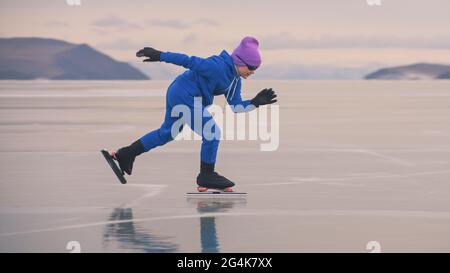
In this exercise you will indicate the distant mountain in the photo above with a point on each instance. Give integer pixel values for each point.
(38, 58)
(444, 76)
(420, 71)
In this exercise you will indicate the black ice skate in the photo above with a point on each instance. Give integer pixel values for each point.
(111, 161)
(125, 157)
(213, 181)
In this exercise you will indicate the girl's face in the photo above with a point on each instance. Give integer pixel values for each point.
(244, 72)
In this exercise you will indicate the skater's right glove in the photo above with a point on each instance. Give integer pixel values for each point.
(152, 54)
(265, 96)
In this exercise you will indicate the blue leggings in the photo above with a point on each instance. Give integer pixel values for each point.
(178, 95)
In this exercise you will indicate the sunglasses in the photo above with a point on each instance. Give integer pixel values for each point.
(250, 67)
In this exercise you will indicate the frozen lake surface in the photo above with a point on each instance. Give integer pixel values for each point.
(358, 161)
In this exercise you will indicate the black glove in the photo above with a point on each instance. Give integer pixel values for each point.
(265, 96)
(152, 54)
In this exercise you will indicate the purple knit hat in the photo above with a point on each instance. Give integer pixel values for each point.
(248, 52)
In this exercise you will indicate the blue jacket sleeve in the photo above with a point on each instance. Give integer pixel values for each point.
(206, 67)
(235, 100)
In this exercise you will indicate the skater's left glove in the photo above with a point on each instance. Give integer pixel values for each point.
(265, 96)
(152, 54)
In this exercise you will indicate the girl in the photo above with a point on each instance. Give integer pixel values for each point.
(205, 78)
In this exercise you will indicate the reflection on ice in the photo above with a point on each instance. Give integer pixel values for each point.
(131, 236)
(208, 232)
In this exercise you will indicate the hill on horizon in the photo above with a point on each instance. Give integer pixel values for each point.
(418, 71)
(41, 58)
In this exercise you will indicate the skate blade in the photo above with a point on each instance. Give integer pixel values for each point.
(205, 189)
(210, 193)
(114, 166)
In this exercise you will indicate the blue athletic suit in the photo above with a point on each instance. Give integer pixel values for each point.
(205, 78)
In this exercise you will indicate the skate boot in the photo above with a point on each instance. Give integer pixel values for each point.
(209, 179)
(126, 155)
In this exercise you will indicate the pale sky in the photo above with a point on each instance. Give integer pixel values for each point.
(346, 33)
